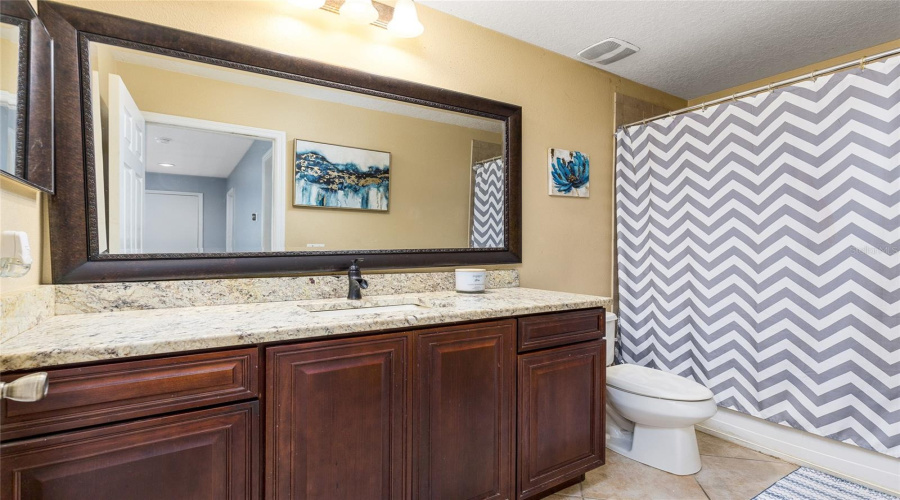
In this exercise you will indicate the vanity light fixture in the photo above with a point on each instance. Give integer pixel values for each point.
(359, 11)
(167, 165)
(402, 20)
(405, 23)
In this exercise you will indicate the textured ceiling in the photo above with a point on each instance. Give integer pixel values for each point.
(693, 48)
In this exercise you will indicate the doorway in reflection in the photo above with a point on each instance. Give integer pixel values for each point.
(187, 186)
(210, 202)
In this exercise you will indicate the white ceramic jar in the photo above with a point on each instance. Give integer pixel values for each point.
(470, 280)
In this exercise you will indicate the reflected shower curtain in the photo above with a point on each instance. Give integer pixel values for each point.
(759, 253)
(487, 204)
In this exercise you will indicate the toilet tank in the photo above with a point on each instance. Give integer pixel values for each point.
(610, 337)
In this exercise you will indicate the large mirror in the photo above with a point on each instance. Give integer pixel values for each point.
(197, 158)
(25, 96)
(205, 158)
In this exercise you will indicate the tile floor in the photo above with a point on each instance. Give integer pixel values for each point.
(730, 472)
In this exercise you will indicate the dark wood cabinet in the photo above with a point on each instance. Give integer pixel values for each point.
(561, 416)
(508, 409)
(207, 454)
(463, 403)
(336, 420)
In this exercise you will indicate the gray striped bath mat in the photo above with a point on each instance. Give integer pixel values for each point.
(809, 484)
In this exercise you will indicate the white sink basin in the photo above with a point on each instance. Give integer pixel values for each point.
(357, 311)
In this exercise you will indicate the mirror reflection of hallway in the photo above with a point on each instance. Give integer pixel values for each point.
(219, 167)
(181, 185)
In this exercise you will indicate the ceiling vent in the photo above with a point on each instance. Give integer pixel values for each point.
(608, 51)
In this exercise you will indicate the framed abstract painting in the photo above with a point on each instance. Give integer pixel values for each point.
(569, 173)
(332, 176)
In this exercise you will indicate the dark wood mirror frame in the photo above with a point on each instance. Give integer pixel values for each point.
(34, 98)
(73, 211)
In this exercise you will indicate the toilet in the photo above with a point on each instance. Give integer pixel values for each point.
(650, 414)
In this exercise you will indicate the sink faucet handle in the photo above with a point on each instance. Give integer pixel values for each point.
(363, 284)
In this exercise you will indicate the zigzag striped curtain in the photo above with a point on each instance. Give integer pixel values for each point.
(487, 204)
(759, 253)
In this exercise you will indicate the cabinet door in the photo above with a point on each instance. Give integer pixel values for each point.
(336, 415)
(561, 415)
(207, 454)
(464, 401)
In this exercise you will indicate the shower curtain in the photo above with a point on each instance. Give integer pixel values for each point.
(759, 252)
(487, 204)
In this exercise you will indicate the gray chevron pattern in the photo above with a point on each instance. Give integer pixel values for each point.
(487, 205)
(759, 253)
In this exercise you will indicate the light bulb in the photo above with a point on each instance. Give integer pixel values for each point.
(359, 11)
(308, 4)
(405, 22)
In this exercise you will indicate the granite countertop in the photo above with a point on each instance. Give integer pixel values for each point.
(79, 338)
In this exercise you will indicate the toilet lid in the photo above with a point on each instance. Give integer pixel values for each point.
(655, 383)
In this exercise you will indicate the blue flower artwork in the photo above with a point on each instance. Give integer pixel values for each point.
(330, 176)
(570, 173)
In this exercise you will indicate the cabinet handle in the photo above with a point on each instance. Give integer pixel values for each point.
(28, 388)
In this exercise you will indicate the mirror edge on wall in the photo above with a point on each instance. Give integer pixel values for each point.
(34, 119)
(73, 220)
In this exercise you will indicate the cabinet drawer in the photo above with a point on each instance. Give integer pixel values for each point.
(548, 330)
(81, 397)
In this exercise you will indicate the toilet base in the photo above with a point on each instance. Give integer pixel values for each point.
(673, 450)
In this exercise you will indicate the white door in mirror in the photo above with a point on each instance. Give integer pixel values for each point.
(15, 254)
(127, 183)
(470, 280)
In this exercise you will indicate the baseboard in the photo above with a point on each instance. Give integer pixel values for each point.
(853, 463)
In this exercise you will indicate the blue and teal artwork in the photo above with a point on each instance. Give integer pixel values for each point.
(326, 175)
(570, 173)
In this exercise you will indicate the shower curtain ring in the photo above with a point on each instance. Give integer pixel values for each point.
(862, 64)
(813, 77)
(770, 87)
(733, 98)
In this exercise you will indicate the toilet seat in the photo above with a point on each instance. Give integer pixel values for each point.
(653, 383)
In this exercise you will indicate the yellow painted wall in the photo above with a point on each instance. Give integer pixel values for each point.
(9, 65)
(806, 70)
(430, 161)
(20, 210)
(568, 242)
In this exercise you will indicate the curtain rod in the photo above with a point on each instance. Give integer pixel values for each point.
(767, 88)
(482, 163)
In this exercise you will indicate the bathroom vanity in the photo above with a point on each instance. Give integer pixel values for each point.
(427, 394)
(324, 403)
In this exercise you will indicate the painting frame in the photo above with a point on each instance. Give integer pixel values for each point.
(326, 146)
(568, 173)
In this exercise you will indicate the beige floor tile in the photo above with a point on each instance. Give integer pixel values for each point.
(711, 445)
(571, 491)
(624, 479)
(557, 496)
(738, 479)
